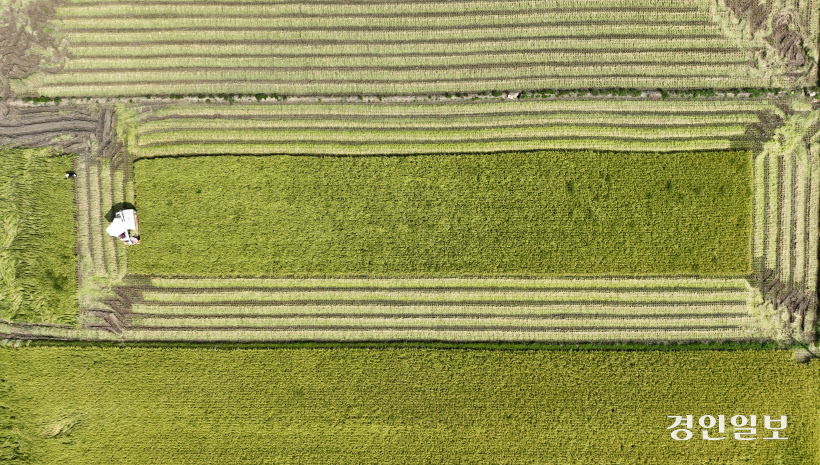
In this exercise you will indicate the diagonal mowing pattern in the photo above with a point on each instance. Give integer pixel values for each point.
(784, 240)
(782, 33)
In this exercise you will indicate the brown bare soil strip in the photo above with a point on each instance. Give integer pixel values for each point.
(12, 120)
(26, 46)
(762, 131)
(788, 41)
(114, 324)
(795, 303)
(106, 134)
(26, 127)
(753, 11)
(58, 127)
(38, 127)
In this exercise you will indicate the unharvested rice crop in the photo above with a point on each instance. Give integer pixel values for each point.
(541, 213)
(319, 48)
(552, 310)
(38, 280)
(192, 406)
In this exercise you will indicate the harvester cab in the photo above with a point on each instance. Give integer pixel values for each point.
(125, 227)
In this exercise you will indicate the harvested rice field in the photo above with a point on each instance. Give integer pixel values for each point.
(172, 47)
(447, 127)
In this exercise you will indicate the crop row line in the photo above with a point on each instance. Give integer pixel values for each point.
(459, 3)
(647, 145)
(445, 303)
(346, 88)
(615, 282)
(370, 10)
(628, 288)
(271, 144)
(341, 309)
(582, 49)
(67, 17)
(438, 110)
(462, 314)
(443, 128)
(621, 335)
(339, 75)
(81, 53)
(604, 36)
(456, 66)
(140, 27)
(436, 328)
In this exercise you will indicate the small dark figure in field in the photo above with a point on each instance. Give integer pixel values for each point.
(71, 175)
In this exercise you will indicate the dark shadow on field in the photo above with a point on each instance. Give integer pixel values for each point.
(118, 207)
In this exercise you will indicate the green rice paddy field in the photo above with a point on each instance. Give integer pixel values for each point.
(538, 213)
(199, 406)
(38, 280)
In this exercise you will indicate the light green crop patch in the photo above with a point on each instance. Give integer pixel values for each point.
(536, 213)
(38, 261)
(317, 406)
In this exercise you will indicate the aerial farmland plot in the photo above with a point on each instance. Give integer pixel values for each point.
(275, 231)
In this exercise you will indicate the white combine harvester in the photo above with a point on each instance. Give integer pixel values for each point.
(125, 227)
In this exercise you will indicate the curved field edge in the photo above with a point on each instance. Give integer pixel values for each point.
(271, 405)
